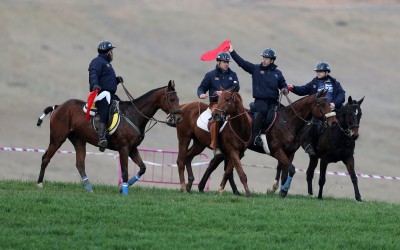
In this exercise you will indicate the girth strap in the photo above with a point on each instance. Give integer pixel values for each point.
(133, 125)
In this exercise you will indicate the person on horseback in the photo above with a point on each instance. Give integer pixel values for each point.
(267, 80)
(335, 95)
(103, 78)
(222, 77)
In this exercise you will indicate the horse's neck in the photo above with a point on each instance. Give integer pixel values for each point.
(140, 110)
(296, 116)
(341, 117)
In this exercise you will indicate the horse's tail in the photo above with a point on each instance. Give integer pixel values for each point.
(46, 111)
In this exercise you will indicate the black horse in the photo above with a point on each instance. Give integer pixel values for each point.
(68, 121)
(337, 144)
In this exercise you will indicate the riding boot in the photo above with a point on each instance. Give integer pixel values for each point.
(101, 132)
(257, 130)
(214, 138)
(308, 142)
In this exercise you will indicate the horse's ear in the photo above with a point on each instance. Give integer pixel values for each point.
(360, 101)
(350, 100)
(322, 93)
(171, 84)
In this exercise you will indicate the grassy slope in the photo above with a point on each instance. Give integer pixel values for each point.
(63, 215)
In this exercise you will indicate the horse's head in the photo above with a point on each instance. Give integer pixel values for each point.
(352, 117)
(170, 105)
(229, 103)
(321, 109)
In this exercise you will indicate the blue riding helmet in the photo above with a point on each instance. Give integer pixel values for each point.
(104, 46)
(322, 66)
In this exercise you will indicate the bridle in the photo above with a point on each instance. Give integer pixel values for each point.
(316, 103)
(355, 123)
(224, 117)
(171, 118)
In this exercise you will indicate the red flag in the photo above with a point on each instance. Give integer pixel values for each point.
(90, 100)
(212, 54)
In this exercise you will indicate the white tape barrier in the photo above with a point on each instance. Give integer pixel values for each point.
(367, 176)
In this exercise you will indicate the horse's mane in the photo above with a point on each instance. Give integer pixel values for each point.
(143, 97)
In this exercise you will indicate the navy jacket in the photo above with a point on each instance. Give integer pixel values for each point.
(335, 95)
(216, 79)
(102, 73)
(267, 81)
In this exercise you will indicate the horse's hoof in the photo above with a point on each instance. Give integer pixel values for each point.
(271, 190)
(283, 193)
(237, 193)
(221, 191)
(248, 194)
(40, 185)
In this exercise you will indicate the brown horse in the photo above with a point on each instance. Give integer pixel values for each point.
(282, 137)
(68, 121)
(337, 144)
(187, 132)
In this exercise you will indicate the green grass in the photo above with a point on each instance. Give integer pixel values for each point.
(65, 216)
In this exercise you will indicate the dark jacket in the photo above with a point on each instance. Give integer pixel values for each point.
(335, 95)
(216, 79)
(267, 81)
(102, 73)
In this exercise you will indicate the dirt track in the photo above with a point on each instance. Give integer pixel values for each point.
(46, 48)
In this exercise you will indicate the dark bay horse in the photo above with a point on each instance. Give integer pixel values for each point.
(187, 132)
(337, 144)
(68, 121)
(283, 140)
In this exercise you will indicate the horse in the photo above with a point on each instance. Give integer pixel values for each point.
(68, 121)
(337, 145)
(282, 137)
(187, 132)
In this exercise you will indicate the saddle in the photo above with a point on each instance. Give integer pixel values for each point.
(265, 123)
(114, 116)
(204, 119)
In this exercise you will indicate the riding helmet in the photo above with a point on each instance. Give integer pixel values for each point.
(104, 46)
(223, 56)
(322, 66)
(269, 53)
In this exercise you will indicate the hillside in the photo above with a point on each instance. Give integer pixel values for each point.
(47, 46)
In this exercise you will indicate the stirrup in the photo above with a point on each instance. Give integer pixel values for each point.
(309, 149)
(102, 145)
(258, 141)
(217, 151)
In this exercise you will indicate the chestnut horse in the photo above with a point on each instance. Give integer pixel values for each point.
(187, 132)
(68, 121)
(337, 144)
(282, 137)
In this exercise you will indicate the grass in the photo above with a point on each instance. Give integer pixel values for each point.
(65, 216)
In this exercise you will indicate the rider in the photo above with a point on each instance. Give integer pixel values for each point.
(335, 95)
(267, 80)
(222, 77)
(102, 77)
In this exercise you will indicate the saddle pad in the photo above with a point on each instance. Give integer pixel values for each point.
(202, 121)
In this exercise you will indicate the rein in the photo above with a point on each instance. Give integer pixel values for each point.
(153, 121)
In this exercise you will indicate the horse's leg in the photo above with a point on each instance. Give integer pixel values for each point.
(184, 142)
(275, 185)
(80, 149)
(54, 145)
(231, 180)
(123, 159)
(211, 167)
(136, 158)
(194, 150)
(349, 162)
(234, 162)
(323, 165)
(312, 165)
(288, 171)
